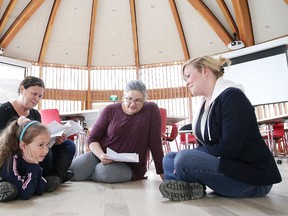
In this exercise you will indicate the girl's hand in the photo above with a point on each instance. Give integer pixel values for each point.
(29, 156)
(104, 159)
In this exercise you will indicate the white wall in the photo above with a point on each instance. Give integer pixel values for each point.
(265, 80)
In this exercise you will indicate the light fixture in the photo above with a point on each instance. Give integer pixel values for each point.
(1, 50)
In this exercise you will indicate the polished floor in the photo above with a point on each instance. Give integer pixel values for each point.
(143, 198)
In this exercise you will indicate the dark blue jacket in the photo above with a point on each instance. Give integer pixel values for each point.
(26, 176)
(232, 134)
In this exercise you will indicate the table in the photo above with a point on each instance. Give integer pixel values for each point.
(89, 116)
(269, 122)
(273, 120)
(175, 119)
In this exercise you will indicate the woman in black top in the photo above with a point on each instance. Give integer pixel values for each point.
(232, 158)
(59, 158)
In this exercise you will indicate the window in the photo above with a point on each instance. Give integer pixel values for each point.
(10, 78)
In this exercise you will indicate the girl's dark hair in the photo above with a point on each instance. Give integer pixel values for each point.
(9, 138)
(31, 81)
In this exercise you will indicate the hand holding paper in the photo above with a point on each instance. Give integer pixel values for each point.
(56, 129)
(68, 129)
(122, 157)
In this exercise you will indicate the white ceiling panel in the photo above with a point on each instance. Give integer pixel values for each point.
(157, 34)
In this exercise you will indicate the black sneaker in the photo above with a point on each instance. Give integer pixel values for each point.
(180, 190)
(52, 183)
(69, 175)
(8, 191)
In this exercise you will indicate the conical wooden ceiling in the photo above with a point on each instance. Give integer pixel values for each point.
(134, 32)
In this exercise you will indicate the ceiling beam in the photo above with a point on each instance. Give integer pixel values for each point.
(211, 20)
(135, 34)
(179, 28)
(286, 1)
(92, 32)
(7, 13)
(243, 21)
(228, 16)
(88, 104)
(1, 3)
(20, 22)
(48, 31)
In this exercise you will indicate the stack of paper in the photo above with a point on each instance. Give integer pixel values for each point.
(70, 128)
(56, 129)
(122, 157)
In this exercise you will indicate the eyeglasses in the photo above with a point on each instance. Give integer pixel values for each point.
(136, 101)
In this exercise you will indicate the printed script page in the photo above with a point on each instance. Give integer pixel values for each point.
(122, 157)
(68, 129)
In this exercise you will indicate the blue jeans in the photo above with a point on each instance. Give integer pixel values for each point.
(192, 165)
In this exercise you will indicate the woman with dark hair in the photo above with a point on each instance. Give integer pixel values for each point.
(57, 162)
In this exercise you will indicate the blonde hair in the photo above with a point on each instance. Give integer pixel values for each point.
(215, 65)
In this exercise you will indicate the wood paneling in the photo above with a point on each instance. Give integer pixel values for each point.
(103, 95)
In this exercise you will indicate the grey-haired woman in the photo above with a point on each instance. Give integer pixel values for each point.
(131, 126)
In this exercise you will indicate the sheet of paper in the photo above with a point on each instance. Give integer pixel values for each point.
(122, 157)
(56, 129)
(52, 142)
(68, 129)
(73, 128)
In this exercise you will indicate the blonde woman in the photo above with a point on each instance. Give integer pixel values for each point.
(232, 158)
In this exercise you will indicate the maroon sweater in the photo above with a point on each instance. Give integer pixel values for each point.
(137, 133)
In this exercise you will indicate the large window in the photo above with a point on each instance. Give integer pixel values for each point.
(11, 74)
(69, 89)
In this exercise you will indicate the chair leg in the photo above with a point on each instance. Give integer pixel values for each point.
(176, 144)
(166, 146)
(182, 145)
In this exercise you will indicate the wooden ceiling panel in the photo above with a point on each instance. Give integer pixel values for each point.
(113, 38)
(268, 20)
(154, 31)
(201, 39)
(24, 37)
(70, 33)
(157, 33)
